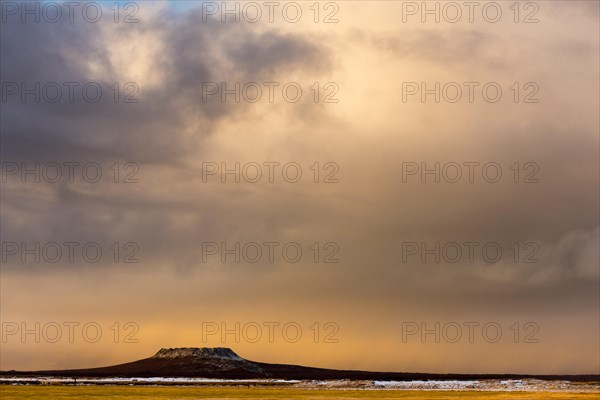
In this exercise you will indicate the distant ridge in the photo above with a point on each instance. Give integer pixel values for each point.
(224, 363)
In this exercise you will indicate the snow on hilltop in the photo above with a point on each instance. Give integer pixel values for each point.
(198, 352)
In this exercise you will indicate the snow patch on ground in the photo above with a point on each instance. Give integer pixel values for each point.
(525, 385)
(522, 385)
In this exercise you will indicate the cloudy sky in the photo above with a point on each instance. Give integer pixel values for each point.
(349, 184)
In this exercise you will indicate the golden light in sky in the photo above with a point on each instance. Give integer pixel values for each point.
(385, 185)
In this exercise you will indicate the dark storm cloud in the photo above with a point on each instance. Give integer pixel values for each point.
(265, 54)
(153, 129)
(169, 122)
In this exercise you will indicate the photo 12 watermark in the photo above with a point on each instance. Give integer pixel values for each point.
(270, 172)
(68, 332)
(270, 332)
(53, 12)
(470, 252)
(269, 92)
(468, 332)
(470, 92)
(290, 12)
(71, 252)
(270, 252)
(69, 92)
(470, 172)
(69, 172)
(452, 12)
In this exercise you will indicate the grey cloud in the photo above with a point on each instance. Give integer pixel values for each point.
(194, 53)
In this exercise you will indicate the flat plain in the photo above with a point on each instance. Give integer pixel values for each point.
(9, 392)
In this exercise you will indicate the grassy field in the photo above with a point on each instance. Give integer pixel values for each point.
(189, 393)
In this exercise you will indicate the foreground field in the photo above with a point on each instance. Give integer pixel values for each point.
(191, 393)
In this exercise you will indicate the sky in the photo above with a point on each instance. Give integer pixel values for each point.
(353, 185)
